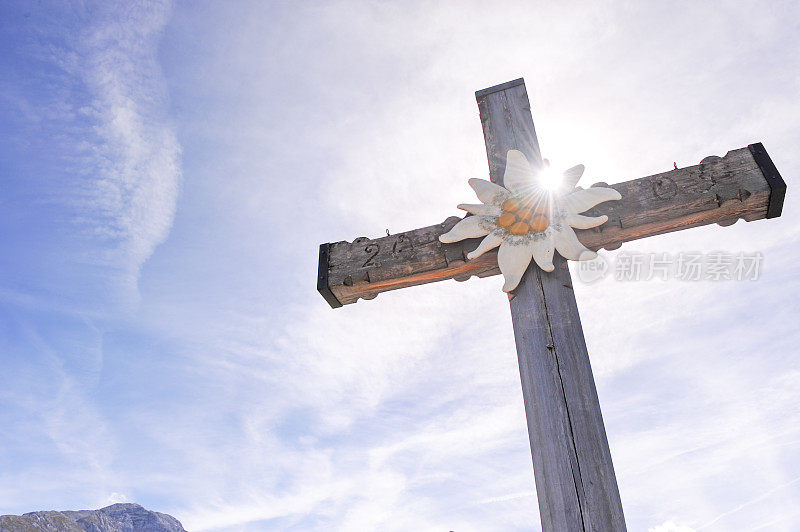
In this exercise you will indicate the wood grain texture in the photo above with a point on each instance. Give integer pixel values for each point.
(575, 482)
(718, 190)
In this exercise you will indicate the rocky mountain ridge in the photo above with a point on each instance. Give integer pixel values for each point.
(122, 517)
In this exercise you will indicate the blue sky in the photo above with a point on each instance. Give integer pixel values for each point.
(168, 171)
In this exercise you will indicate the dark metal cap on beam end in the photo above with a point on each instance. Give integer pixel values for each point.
(776, 183)
(322, 277)
(501, 87)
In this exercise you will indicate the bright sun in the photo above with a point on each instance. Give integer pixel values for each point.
(550, 179)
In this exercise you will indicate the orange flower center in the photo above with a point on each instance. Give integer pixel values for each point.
(522, 219)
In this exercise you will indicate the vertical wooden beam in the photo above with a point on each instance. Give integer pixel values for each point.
(575, 481)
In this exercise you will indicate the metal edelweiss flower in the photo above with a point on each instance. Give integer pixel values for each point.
(528, 220)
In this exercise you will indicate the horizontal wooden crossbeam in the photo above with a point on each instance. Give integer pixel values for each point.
(743, 184)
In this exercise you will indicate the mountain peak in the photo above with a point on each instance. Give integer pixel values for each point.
(119, 517)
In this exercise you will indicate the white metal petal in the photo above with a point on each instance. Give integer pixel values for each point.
(543, 252)
(569, 246)
(488, 192)
(519, 177)
(513, 258)
(572, 176)
(469, 227)
(583, 200)
(490, 210)
(580, 221)
(492, 240)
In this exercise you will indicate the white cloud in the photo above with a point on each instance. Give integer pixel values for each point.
(671, 526)
(115, 497)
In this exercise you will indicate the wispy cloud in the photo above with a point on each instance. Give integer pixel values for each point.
(129, 164)
(67, 429)
(752, 501)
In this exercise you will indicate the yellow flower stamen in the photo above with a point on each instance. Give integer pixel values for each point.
(539, 223)
(522, 218)
(519, 228)
(506, 219)
(510, 205)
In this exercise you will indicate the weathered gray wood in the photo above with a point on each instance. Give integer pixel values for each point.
(575, 481)
(718, 190)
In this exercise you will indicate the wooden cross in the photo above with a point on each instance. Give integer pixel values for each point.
(575, 481)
